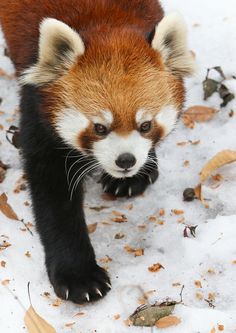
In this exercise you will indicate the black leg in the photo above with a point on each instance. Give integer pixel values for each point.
(123, 187)
(70, 258)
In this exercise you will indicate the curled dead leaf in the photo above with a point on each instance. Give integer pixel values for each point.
(6, 209)
(36, 324)
(167, 322)
(220, 159)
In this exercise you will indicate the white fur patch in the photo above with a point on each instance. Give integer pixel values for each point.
(105, 117)
(51, 62)
(107, 151)
(69, 124)
(170, 40)
(167, 118)
(143, 115)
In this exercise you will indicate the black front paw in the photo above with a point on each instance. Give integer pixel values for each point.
(79, 286)
(132, 186)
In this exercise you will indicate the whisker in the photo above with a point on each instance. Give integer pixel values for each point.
(82, 175)
(83, 166)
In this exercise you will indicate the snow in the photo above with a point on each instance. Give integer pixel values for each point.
(208, 258)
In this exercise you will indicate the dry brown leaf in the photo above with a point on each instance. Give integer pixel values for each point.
(120, 219)
(161, 212)
(79, 314)
(6, 209)
(3, 263)
(213, 330)
(36, 324)
(92, 228)
(106, 259)
(177, 211)
(70, 324)
(5, 282)
(142, 226)
(221, 327)
(199, 296)
(198, 284)
(211, 271)
(186, 163)
(197, 113)
(182, 143)
(27, 254)
(136, 252)
(57, 302)
(176, 284)
(168, 321)
(116, 213)
(152, 218)
(212, 297)
(220, 159)
(181, 220)
(155, 268)
(116, 317)
(195, 142)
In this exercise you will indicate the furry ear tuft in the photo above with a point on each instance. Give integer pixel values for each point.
(170, 39)
(59, 46)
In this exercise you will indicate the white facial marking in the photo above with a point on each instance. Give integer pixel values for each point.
(105, 118)
(167, 118)
(69, 124)
(108, 150)
(143, 115)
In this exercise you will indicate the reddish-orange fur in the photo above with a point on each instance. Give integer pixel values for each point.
(21, 18)
(119, 70)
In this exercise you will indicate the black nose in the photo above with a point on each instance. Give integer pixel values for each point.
(126, 161)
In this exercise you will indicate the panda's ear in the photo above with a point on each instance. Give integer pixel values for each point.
(59, 47)
(170, 40)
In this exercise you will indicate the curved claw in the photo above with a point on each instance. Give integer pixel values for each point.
(130, 191)
(67, 294)
(109, 285)
(150, 179)
(98, 292)
(117, 190)
(87, 297)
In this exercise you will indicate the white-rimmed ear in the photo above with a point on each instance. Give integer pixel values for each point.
(170, 39)
(59, 46)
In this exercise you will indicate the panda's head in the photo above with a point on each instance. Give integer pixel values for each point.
(118, 97)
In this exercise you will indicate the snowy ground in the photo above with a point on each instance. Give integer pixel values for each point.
(208, 258)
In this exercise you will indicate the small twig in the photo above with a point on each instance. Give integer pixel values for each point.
(22, 221)
(181, 294)
(28, 290)
(211, 305)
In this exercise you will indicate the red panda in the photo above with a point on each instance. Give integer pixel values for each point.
(101, 85)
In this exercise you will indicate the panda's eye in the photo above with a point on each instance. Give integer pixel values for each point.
(100, 129)
(146, 126)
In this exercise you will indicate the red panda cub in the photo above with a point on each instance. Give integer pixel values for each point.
(101, 86)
